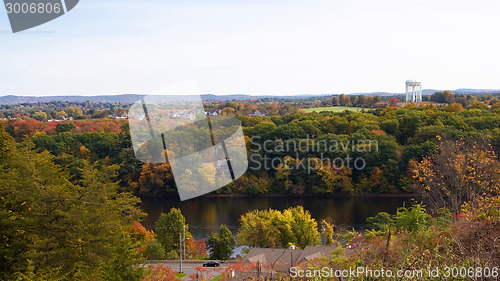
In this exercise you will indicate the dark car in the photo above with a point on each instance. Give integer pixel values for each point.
(211, 264)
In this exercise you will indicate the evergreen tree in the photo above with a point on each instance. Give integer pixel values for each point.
(221, 244)
(59, 228)
(169, 228)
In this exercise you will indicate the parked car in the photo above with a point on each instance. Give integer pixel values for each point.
(211, 264)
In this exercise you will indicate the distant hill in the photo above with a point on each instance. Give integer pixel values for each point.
(432, 91)
(27, 99)
(475, 91)
(131, 98)
(424, 92)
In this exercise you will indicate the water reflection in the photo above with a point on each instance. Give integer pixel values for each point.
(205, 214)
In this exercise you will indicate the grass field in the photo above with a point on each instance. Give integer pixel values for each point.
(333, 108)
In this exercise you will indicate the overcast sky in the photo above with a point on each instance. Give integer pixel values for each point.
(255, 47)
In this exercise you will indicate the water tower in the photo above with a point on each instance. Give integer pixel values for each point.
(413, 91)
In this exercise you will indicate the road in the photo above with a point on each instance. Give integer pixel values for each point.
(189, 268)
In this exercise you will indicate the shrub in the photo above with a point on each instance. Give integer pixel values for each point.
(154, 251)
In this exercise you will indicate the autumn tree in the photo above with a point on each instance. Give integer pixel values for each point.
(335, 101)
(354, 99)
(40, 116)
(61, 115)
(146, 242)
(273, 228)
(154, 179)
(332, 179)
(161, 272)
(344, 101)
(393, 102)
(74, 111)
(196, 249)
(327, 233)
(462, 171)
(362, 101)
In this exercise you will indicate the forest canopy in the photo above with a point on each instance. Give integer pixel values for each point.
(400, 134)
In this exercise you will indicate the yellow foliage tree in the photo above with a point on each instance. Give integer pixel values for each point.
(464, 171)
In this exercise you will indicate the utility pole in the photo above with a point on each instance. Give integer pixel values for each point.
(180, 252)
(184, 239)
(323, 238)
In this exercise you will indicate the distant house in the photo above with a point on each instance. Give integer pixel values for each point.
(257, 113)
(177, 114)
(214, 113)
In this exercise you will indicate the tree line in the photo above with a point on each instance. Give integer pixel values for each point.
(401, 134)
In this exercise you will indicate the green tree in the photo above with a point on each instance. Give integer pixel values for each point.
(303, 226)
(61, 115)
(221, 245)
(412, 219)
(64, 127)
(40, 116)
(74, 111)
(354, 100)
(60, 228)
(168, 229)
(381, 222)
(154, 250)
(335, 101)
(328, 233)
(272, 228)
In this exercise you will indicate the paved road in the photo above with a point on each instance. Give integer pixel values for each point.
(189, 268)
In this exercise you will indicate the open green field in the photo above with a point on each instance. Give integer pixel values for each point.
(333, 108)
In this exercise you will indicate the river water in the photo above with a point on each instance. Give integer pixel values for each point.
(205, 214)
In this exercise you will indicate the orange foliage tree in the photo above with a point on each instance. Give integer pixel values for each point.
(140, 234)
(196, 249)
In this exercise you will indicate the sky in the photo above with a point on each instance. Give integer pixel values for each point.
(257, 47)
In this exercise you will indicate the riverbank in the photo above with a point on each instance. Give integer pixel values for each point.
(205, 214)
(282, 195)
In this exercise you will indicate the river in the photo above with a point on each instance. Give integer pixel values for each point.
(205, 214)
